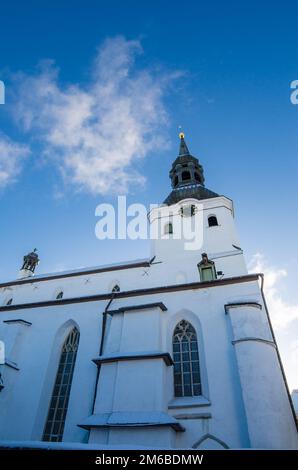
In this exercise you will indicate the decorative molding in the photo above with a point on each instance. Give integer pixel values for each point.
(189, 402)
(134, 357)
(194, 416)
(224, 254)
(213, 438)
(135, 419)
(18, 320)
(11, 364)
(242, 304)
(260, 340)
(135, 293)
(132, 308)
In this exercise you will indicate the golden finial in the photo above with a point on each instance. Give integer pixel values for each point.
(181, 134)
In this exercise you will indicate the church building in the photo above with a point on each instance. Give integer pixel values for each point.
(171, 351)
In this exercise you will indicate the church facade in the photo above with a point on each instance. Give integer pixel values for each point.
(173, 351)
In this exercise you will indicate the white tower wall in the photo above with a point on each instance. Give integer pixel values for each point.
(269, 415)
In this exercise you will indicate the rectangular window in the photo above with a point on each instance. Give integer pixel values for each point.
(207, 274)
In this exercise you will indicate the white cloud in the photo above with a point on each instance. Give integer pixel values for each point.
(96, 133)
(12, 155)
(282, 312)
(294, 355)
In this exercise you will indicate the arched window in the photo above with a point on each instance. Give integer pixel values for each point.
(59, 402)
(176, 181)
(187, 380)
(197, 177)
(168, 228)
(9, 302)
(212, 221)
(59, 295)
(185, 176)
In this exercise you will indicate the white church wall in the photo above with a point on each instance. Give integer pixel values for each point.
(222, 390)
(38, 366)
(125, 385)
(216, 241)
(269, 415)
(155, 438)
(243, 401)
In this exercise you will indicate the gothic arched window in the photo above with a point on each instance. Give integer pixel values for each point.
(59, 402)
(187, 380)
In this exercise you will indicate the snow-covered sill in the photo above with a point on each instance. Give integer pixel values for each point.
(188, 402)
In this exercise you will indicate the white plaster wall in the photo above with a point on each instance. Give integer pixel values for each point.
(24, 404)
(216, 241)
(24, 401)
(295, 401)
(269, 415)
(155, 438)
(270, 420)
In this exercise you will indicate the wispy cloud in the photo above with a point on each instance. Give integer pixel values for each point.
(12, 155)
(97, 133)
(282, 311)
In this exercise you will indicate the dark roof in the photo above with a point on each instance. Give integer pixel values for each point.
(195, 191)
(183, 149)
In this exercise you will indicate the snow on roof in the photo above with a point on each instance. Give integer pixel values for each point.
(130, 418)
(80, 271)
(92, 268)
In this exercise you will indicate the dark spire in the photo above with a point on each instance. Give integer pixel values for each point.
(183, 150)
(187, 176)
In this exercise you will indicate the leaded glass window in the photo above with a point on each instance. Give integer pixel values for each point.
(187, 380)
(59, 402)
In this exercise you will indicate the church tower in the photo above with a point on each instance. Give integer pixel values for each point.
(199, 363)
(175, 351)
(195, 223)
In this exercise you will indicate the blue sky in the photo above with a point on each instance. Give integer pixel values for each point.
(222, 70)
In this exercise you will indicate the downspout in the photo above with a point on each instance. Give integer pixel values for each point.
(115, 290)
(277, 351)
(103, 332)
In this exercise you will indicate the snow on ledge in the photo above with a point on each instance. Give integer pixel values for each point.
(131, 419)
(19, 445)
